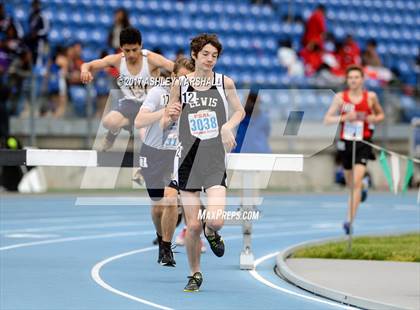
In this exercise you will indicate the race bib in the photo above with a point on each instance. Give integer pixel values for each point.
(171, 141)
(353, 131)
(203, 125)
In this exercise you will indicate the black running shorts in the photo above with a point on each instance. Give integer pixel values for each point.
(156, 169)
(363, 153)
(201, 167)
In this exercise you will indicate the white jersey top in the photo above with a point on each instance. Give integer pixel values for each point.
(167, 139)
(134, 86)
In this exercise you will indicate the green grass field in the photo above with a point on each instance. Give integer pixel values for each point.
(402, 248)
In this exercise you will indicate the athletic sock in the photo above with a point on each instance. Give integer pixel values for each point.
(159, 238)
(166, 245)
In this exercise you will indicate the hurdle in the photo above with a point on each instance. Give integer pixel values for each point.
(249, 165)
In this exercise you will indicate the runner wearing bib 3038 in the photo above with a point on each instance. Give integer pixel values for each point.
(199, 102)
(203, 115)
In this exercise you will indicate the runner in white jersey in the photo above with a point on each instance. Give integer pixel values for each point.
(156, 161)
(137, 66)
(200, 102)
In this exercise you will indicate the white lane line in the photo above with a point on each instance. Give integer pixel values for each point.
(259, 278)
(403, 207)
(29, 218)
(69, 239)
(327, 225)
(73, 227)
(95, 274)
(31, 236)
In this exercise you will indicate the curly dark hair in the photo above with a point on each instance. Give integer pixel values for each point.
(198, 42)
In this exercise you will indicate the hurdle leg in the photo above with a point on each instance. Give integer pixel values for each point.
(246, 259)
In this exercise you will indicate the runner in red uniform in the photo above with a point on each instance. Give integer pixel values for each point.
(357, 110)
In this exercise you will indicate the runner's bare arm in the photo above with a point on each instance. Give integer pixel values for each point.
(158, 61)
(332, 116)
(173, 109)
(378, 113)
(238, 115)
(234, 103)
(146, 117)
(90, 67)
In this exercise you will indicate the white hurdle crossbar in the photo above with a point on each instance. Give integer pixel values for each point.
(249, 165)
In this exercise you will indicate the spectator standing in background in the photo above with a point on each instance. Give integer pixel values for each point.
(6, 21)
(74, 54)
(315, 27)
(57, 83)
(349, 53)
(19, 70)
(11, 42)
(288, 58)
(312, 58)
(373, 64)
(38, 31)
(370, 56)
(121, 21)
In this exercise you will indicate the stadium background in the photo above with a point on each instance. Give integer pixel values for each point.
(51, 243)
(252, 33)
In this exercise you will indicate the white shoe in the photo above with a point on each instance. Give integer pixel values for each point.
(180, 239)
(203, 246)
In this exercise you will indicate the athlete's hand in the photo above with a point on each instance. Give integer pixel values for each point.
(350, 116)
(174, 110)
(86, 77)
(371, 118)
(228, 138)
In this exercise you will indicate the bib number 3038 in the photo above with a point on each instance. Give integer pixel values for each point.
(353, 131)
(203, 125)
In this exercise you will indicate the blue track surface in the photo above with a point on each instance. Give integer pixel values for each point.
(49, 246)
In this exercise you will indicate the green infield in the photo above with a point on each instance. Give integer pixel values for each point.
(402, 248)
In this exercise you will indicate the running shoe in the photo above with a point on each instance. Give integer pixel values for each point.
(365, 187)
(138, 177)
(216, 242)
(194, 282)
(167, 256)
(109, 140)
(347, 228)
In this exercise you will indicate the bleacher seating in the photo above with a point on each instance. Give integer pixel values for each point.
(248, 32)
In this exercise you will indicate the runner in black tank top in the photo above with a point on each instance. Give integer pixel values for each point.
(202, 154)
(204, 134)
